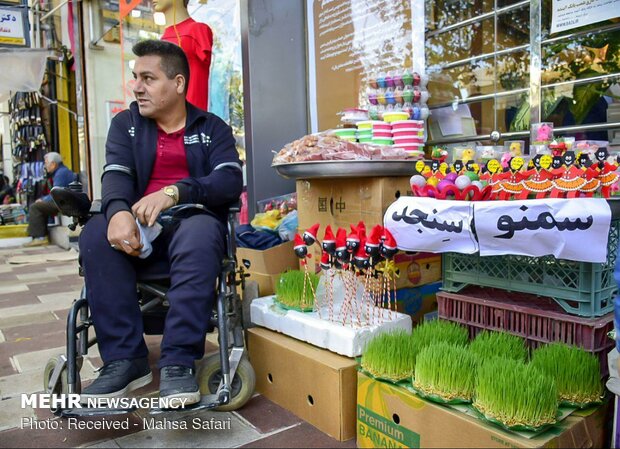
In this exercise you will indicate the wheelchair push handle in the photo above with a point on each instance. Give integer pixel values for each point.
(72, 201)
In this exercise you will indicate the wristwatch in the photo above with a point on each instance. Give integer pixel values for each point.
(172, 193)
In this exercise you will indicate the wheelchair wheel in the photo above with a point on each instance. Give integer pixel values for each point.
(242, 385)
(62, 386)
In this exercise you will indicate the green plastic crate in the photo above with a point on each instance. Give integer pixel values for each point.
(581, 288)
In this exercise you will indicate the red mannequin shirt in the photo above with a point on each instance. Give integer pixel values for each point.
(197, 43)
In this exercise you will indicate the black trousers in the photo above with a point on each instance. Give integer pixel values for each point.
(38, 214)
(193, 250)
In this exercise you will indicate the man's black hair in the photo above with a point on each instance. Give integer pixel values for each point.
(173, 59)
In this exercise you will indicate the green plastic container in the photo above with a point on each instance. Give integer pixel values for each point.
(382, 141)
(345, 132)
(580, 288)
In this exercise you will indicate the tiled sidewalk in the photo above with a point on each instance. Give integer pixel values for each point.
(34, 301)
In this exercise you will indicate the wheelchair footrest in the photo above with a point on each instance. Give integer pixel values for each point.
(86, 412)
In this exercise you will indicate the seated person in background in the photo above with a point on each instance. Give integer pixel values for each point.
(160, 152)
(6, 190)
(44, 207)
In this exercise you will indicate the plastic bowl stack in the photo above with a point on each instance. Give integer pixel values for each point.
(409, 135)
(382, 133)
(365, 131)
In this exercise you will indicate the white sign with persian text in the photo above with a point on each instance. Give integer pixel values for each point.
(574, 229)
(12, 31)
(569, 14)
(429, 225)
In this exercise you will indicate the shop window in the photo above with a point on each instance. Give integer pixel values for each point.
(479, 57)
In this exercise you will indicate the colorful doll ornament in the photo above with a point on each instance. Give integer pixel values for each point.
(310, 235)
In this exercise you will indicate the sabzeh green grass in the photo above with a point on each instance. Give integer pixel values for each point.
(499, 344)
(290, 290)
(515, 394)
(576, 372)
(446, 371)
(392, 355)
(436, 331)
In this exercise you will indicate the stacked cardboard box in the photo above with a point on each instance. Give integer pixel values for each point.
(266, 266)
(342, 201)
(315, 384)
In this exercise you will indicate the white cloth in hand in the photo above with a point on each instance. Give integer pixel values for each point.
(147, 235)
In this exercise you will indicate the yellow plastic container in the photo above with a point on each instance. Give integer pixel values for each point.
(395, 116)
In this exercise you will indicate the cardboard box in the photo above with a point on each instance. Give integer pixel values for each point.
(391, 416)
(340, 202)
(266, 282)
(316, 385)
(415, 269)
(266, 266)
(418, 302)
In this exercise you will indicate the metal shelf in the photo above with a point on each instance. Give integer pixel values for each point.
(513, 134)
(603, 29)
(477, 98)
(461, 62)
(480, 18)
(344, 169)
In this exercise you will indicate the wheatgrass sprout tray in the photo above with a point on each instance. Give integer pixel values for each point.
(515, 395)
(445, 373)
(436, 331)
(295, 290)
(575, 371)
(499, 344)
(389, 356)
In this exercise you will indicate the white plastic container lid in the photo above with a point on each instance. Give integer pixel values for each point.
(408, 122)
(409, 130)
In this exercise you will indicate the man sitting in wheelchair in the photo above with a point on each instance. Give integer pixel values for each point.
(160, 152)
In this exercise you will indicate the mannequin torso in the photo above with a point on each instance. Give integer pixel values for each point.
(196, 40)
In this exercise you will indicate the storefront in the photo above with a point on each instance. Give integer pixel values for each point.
(440, 271)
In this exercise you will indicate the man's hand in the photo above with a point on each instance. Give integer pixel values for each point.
(123, 233)
(148, 208)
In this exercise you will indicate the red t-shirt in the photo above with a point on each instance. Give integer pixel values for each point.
(197, 43)
(170, 161)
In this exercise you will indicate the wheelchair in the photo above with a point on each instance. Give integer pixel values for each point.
(226, 379)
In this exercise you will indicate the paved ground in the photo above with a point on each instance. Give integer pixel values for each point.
(34, 300)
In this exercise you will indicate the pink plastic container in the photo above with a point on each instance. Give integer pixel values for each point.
(408, 133)
(382, 134)
(408, 140)
(382, 126)
(408, 124)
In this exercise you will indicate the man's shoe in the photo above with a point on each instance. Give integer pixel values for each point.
(44, 241)
(119, 377)
(179, 382)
